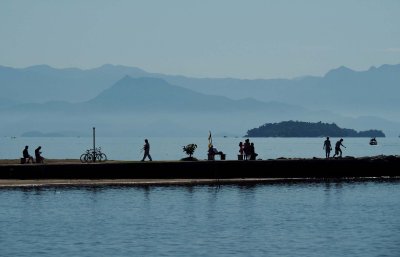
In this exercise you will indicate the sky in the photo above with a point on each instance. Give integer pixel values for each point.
(247, 39)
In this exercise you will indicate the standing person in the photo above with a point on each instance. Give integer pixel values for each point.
(39, 158)
(327, 146)
(146, 149)
(28, 158)
(246, 149)
(241, 149)
(253, 153)
(338, 151)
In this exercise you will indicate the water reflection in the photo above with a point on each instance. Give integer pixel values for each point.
(331, 217)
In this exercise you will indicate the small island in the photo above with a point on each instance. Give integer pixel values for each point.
(308, 129)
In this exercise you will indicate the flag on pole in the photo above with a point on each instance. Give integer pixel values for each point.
(209, 140)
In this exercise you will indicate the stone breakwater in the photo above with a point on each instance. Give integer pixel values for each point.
(348, 167)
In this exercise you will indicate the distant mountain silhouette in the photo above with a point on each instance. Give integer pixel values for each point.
(145, 94)
(51, 134)
(130, 99)
(371, 92)
(43, 83)
(136, 104)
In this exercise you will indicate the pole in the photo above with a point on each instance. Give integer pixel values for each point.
(94, 144)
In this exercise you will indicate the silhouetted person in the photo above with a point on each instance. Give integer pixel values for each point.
(241, 149)
(338, 151)
(28, 158)
(38, 156)
(327, 146)
(213, 151)
(246, 149)
(253, 154)
(146, 149)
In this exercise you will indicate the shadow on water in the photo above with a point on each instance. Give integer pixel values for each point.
(214, 186)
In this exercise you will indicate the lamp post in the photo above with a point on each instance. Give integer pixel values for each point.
(94, 144)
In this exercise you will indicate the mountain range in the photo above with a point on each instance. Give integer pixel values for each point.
(129, 101)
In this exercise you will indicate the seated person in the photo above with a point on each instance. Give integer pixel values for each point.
(39, 158)
(28, 158)
(214, 151)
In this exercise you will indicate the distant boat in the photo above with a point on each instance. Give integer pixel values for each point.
(373, 141)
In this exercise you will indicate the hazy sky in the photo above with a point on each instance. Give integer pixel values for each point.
(204, 38)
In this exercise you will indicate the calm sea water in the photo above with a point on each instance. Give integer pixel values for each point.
(129, 148)
(330, 218)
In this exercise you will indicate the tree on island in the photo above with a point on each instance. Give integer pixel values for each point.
(308, 129)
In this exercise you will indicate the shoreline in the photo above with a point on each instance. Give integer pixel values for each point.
(9, 183)
(71, 172)
(77, 161)
(67, 183)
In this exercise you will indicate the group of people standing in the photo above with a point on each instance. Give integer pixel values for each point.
(328, 147)
(247, 150)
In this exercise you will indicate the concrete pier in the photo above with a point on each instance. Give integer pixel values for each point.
(379, 166)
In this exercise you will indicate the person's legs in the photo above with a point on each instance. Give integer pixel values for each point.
(147, 155)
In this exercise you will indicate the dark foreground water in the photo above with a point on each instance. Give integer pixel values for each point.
(335, 218)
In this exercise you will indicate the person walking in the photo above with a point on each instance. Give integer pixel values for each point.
(338, 151)
(146, 149)
(327, 146)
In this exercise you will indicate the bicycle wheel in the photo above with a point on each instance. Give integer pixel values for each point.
(83, 158)
(89, 157)
(103, 157)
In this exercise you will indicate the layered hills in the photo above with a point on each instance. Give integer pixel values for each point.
(127, 100)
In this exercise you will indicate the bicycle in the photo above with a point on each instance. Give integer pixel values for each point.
(93, 155)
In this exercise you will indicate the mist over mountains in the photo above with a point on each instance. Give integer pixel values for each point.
(124, 101)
